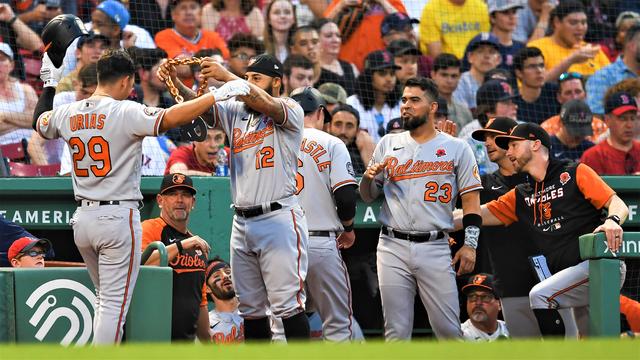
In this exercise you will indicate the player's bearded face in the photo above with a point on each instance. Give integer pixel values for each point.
(413, 122)
(221, 285)
(177, 204)
(415, 107)
(520, 154)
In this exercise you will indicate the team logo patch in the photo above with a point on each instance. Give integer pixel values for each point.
(479, 279)
(350, 169)
(441, 153)
(476, 172)
(564, 178)
(151, 111)
(178, 178)
(45, 119)
(546, 210)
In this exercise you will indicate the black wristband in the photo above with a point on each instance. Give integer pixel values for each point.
(614, 218)
(347, 228)
(13, 19)
(179, 246)
(471, 220)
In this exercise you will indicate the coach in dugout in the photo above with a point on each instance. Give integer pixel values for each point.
(187, 256)
(560, 201)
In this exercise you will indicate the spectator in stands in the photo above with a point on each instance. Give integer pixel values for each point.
(483, 307)
(359, 23)
(625, 67)
(88, 51)
(571, 87)
(152, 15)
(242, 48)
(631, 309)
(536, 99)
(280, 24)
(17, 101)
(44, 152)
(18, 35)
(405, 55)
(333, 94)
(225, 323)
(565, 49)
(484, 55)
(570, 141)
(533, 20)
(345, 124)
(503, 15)
(187, 37)
(619, 154)
(298, 72)
(306, 42)
(396, 126)
(28, 252)
(495, 99)
(447, 26)
(398, 26)
(613, 46)
(9, 232)
(154, 91)
(36, 14)
(377, 97)
(334, 70)
(187, 255)
(446, 74)
(199, 158)
(229, 17)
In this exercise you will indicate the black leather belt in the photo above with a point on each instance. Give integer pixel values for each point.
(417, 238)
(101, 203)
(257, 210)
(320, 233)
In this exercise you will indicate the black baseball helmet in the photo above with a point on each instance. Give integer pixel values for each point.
(310, 99)
(58, 34)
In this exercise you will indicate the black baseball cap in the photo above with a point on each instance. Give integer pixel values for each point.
(265, 64)
(380, 60)
(396, 21)
(403, 47)
(524, 131)
(494, 91)
(395, 124)
(443, 108)
(310, 99)
(90, 38)
(499, 126)
(619, 103)
(482, 281)
(177, 180)
(577, 117)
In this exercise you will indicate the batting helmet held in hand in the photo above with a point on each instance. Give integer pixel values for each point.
(58, 34)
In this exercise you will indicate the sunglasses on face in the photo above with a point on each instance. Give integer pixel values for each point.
(33, 253)
(485, 298)
(569, 76)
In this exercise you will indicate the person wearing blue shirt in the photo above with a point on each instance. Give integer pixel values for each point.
(9, 232)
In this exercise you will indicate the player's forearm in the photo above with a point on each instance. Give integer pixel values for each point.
(202, 329)
(617, 207)
(488, 219)
(154, 259)
(471, 203)
(45, 103)
(184, 113)
(368, 190)
(264, 103)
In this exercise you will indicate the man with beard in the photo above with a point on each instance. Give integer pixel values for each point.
(483, 306)
(421, 172)
(269, 235)
(345, 125)
(560, 201)
(225, 323)
(187, 256)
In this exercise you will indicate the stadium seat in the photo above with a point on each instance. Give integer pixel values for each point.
(20, 169)
(13, 151)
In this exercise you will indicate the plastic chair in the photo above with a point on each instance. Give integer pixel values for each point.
(29, 170)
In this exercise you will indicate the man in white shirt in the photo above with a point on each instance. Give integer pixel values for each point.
(483, 307)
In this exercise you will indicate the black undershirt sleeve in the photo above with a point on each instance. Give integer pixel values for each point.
(45, 103)
(346, 198)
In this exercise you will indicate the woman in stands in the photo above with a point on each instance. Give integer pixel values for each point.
(333, 70)
(228, 17)
(279, 28)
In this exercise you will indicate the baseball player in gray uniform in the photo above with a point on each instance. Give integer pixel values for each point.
(225, 323)
(269, 234)
(104, 134)
(327, 192)
(421, 173)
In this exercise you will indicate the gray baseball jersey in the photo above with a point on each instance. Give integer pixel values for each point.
(263, 154)
(324, 165)
(105, 140)
(422, 181)
(226, 327)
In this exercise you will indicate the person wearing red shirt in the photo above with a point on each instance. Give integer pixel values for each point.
(619, 154)
(199, 158)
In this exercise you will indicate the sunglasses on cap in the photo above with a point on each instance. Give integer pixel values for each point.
(569, 76)
(33, 253)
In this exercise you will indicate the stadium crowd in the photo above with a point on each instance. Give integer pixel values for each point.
(569, 66)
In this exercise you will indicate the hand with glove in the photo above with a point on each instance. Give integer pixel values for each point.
(50, 74)
(230, 89)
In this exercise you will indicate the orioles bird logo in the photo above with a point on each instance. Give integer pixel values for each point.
(564, 178)
(546, 210)
(178, 178)
(479, 279)
(441, 153)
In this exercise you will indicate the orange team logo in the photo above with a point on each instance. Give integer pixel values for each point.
(45, 119)
(546, 210)
(178, 178)
(564, 178)
(441, 153)
(479, 279)
(476, 172)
